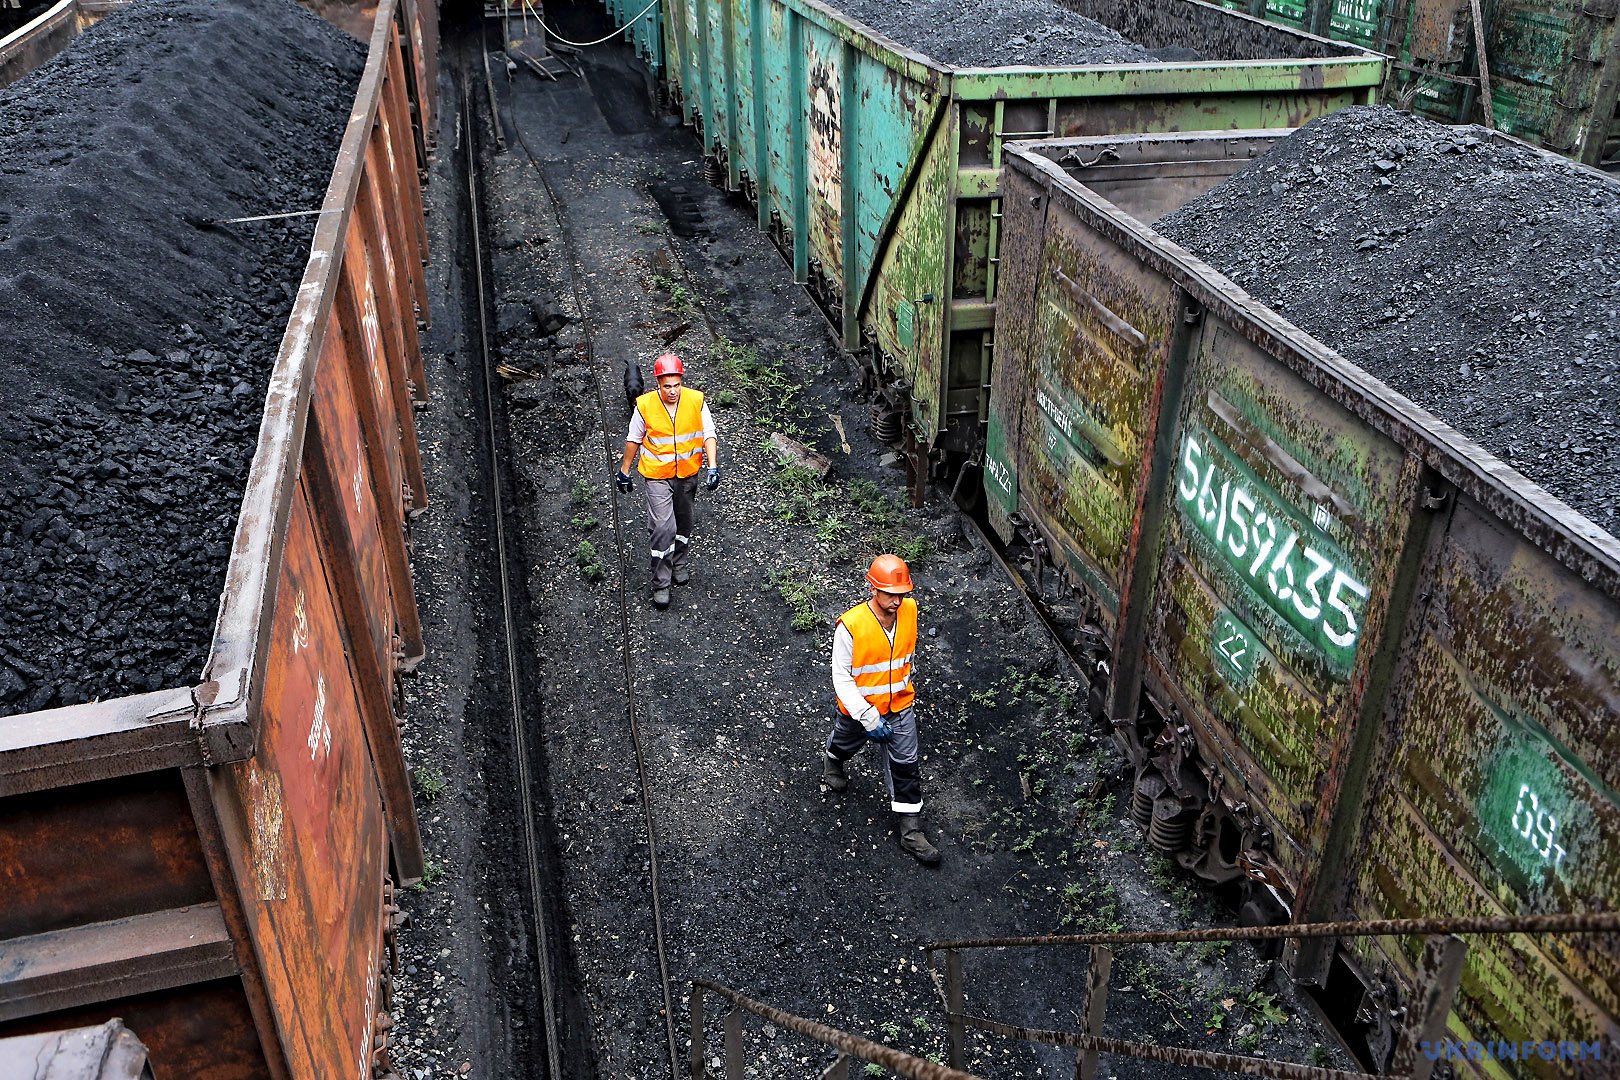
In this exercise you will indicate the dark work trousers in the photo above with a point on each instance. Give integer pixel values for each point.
(901, 776)
(669, 523)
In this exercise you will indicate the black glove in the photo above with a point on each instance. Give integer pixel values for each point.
(711, 478)
(621, 480)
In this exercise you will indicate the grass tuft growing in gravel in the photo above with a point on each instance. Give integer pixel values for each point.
(774, 393)
(682, 301)
(430, 782)
(794, 587)
(589, 561)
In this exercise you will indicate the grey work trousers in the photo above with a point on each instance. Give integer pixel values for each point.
(901, 776)
(669, 524)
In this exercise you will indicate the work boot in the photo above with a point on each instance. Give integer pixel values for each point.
(914, 842)
(660, 598)
(682, 575)
(833, 777)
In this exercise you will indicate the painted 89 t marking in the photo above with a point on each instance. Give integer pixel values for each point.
(1301, 578)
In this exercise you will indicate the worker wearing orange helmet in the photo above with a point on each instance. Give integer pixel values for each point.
(673, 433)
(872, 653)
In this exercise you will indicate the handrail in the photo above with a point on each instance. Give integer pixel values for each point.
(1438, 976)
(1571, 923)
(896, 1061)
(1168, 1055)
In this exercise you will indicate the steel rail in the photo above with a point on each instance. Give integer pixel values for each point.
(1167, 1055)
(895, 1061)
(1580, 922)
(519, 729)
(571, 254)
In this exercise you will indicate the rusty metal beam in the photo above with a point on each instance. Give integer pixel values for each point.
(100, 961)
(1102, 962)
(915, 1068)
(1169, 1055)
(97, 741)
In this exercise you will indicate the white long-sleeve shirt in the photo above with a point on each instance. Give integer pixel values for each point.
(849, 694)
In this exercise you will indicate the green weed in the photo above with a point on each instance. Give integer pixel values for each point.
(722, 399)
(649, 228)
(682, 301)
(794, 587)
(581, 494)
(432, 871)
(1090, 909)
(588, 561)
(1264, 1008)
(585, 522)
(430, 782)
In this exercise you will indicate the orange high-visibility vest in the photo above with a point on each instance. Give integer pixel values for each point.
(882, 671)
(671, 449)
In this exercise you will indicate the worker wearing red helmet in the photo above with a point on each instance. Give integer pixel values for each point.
(873, 647)
(673, 434)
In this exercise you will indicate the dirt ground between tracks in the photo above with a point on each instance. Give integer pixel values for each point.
(798, 898)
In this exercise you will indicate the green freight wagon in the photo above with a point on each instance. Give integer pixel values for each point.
(1363, 668)
(876, 168)
(1554, 64)
(643, 27)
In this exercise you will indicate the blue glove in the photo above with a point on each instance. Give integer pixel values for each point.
(711, 479)
(621, 480)
(882, 733)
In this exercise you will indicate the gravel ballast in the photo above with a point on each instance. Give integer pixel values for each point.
(138, 342)
(1479, 278)
(996, 33)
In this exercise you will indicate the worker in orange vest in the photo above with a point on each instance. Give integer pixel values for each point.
(873, 647)
(673, 433)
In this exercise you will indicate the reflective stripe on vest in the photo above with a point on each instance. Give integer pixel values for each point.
(882, 669)
(671, 449)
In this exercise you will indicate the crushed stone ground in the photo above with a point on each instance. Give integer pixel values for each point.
(769, 886)
(137, 345)
(996, 33)
(1480, 279)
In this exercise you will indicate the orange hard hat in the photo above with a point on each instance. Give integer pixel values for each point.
(889, 573)
(668, 364)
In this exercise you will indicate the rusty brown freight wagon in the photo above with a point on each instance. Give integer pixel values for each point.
(1428, 730)
(213, 863)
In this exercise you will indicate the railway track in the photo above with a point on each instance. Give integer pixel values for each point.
(519, 719)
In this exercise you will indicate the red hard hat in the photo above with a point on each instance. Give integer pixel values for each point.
(889, 573)
(668, 364)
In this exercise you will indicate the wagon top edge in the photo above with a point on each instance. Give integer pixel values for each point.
(1343, 64)
(1546, 521)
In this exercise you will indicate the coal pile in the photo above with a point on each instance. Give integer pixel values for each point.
(1479, 278)
(997, 33)
(138, 344)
